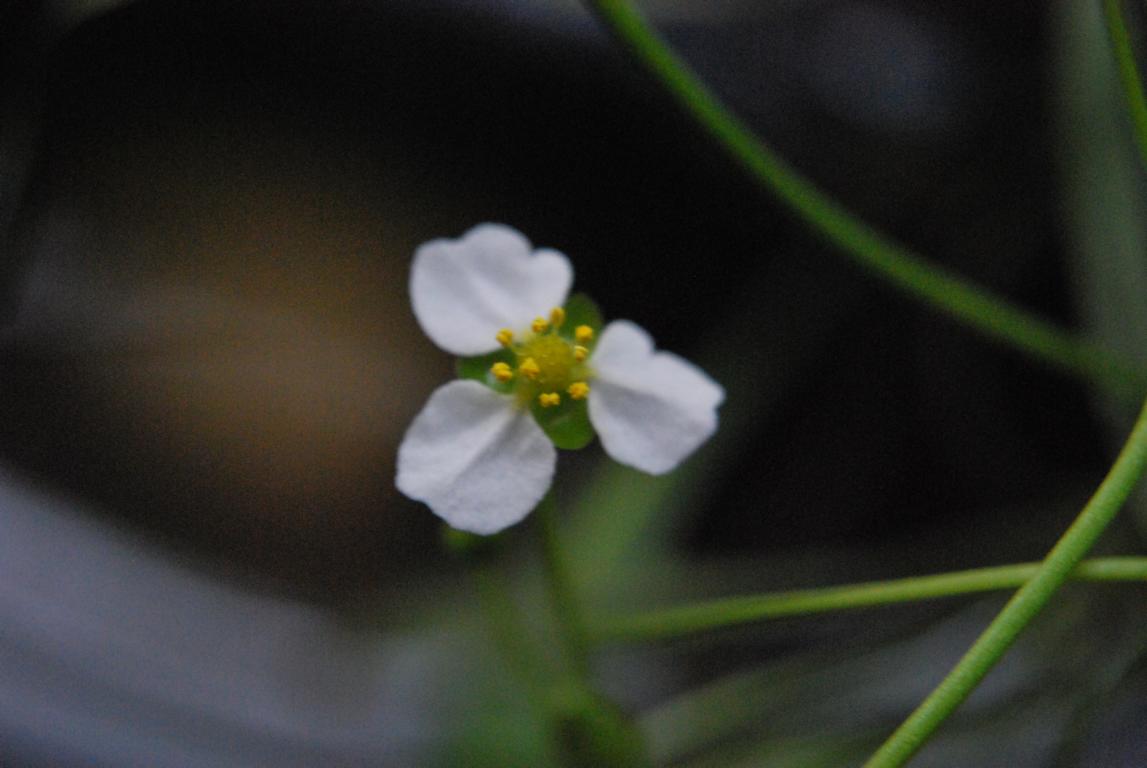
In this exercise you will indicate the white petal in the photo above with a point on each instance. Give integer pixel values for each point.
(480, 463)
(650, 409)
(464, 291)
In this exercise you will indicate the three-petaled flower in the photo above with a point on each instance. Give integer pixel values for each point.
(482, 452)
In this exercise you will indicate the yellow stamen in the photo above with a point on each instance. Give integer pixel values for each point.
(578, 390)
(583, 334)
(557, 317)
(502, 372)
(505, 337)
(530, 368)
(549, 399)
(580, 353)
(540, 325)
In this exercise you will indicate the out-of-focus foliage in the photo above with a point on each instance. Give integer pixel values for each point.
(1104, 194)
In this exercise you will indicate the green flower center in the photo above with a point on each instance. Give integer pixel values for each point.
(548, 365)
(555, 360)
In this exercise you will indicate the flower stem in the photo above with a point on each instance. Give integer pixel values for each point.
(509, 632)
(875, 252)
(717, 614)
(1072, 546)
(570, 620)
(1128, 72)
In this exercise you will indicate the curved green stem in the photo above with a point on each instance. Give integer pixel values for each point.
(1023, 606)
(1128, 73)
(717, 614)
(990, 314)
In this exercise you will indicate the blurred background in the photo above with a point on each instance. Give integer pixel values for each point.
(207, 360)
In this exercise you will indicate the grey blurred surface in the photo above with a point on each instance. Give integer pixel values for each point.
(113, 654)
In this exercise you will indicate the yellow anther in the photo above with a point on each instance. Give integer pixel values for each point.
(583, 334)
(557, 317)
(502, 372)
(549, 399)
(529, 368)
(505, 337)
(580, 353)
(578, 390)
(540, 325)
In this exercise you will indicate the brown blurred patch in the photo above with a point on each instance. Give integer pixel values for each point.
(230, 303)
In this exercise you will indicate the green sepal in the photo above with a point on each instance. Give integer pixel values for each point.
(567, 424)
(465, 545)
(478, 369)
(581, 310)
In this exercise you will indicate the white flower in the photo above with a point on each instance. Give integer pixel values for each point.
(477, 454)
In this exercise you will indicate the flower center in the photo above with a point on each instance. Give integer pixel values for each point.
(554, 357)
(548, 366)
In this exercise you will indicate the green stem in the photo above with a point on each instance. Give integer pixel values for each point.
(1128, 73)
(560, 586)
(1072, 546)
(701, 617)
(875, 252)
(509, 632)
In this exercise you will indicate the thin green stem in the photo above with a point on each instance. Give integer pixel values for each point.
(1024, 606)
(911, 274)
(508, 630)
(589, 730)
(570, 620)
(1128, 73)
(717, 614)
